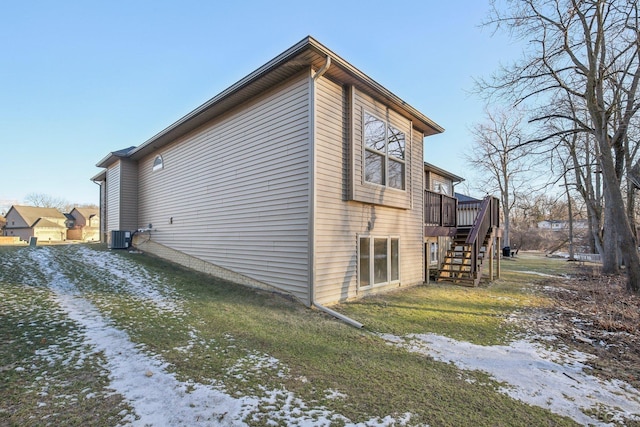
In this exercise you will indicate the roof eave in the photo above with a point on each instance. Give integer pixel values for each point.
(443, 172)
(190, 121)
(429, 127)
(100, 176)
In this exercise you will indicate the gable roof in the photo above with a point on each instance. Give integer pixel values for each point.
(31, 214)
(437, 170)
(43, 222)
(304, 54)
(114, 155)
(87, 212)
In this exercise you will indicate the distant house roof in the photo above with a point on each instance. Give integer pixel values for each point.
(87, 212)
(31, 214)
(42, 222)
(304, 54)
(464, 198)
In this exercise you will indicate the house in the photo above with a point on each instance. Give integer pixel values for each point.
(562, 225)
(83, 224)
(461, 233)
(305, 176)
(47, 224)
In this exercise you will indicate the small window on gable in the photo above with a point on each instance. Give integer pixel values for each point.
(158, 163)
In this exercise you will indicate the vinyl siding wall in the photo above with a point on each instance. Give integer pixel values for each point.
(437, 183)
(14, 219)
(340, 220)
(122, 194)
(235, 192)
(128, 195)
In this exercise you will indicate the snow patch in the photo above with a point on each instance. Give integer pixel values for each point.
(156, 395)
(536, 375)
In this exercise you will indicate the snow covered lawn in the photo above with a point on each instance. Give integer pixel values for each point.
(94, 335)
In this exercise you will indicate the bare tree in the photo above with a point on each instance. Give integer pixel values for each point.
(587, 50)
(47, 201)
(502, 159)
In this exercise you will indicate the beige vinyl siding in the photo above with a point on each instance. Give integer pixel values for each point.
(122, 196)
(339, 221)
(22, 233)
(364, 191)
(113, 197)
(235, 192)
(128, 195)
(14, 219)
(437, 183)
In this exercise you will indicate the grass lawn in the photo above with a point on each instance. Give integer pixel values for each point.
(476, 315)
(250, 343)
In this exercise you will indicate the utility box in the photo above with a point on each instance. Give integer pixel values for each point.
(120, 239)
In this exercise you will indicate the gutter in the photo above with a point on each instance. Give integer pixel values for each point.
(312, 205)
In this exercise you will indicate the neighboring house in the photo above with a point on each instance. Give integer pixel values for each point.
(306, 176)
(47, 224)
(83, 224)
(562, 225)
(461, 233)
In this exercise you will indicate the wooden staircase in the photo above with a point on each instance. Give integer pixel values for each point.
(464, 260)
(458, 266)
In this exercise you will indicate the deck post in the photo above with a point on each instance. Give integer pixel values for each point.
(498, 249)
(491, 263)
(428, 279)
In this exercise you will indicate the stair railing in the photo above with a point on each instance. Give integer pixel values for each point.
(486, 218)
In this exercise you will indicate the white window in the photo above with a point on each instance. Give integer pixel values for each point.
(433, 253)
(378, 260)
(158, 163)
(384, 153)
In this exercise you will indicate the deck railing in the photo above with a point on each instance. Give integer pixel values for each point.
(468, 212)
(440, 209)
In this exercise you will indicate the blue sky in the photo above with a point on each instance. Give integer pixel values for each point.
(81, 79)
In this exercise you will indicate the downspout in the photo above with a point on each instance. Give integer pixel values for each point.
(103, 237)
(312, 204)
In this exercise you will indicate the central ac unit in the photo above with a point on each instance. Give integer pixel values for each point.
(120, 239)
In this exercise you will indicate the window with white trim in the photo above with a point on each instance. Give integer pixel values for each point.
(433, 253)
(384, 153)
(378, 260)
(158, 163)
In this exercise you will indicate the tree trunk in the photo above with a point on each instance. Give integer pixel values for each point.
(617, 222)
(610, 264)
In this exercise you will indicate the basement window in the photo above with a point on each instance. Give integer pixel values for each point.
(378, 261)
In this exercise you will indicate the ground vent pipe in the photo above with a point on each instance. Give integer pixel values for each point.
(339, 316)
